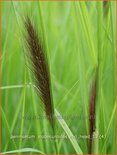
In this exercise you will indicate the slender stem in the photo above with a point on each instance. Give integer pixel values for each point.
(99, 70)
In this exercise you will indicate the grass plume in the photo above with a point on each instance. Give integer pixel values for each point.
(40, 68)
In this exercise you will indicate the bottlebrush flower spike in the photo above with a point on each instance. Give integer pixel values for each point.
(40, 68)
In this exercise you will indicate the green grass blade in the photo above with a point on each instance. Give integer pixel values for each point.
(109, 125)
(68, 132)
(24, 150)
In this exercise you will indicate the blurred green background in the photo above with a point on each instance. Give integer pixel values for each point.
(79, 37)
